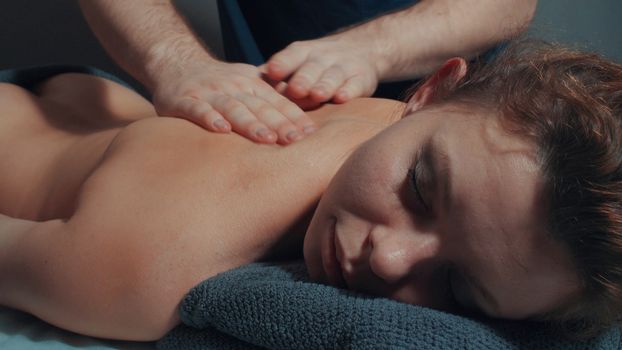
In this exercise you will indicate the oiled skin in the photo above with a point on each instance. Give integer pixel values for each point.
(133, 210)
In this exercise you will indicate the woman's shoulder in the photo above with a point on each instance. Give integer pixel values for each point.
(364, 109)
(176, 155)
(340, 126)
(169, 156)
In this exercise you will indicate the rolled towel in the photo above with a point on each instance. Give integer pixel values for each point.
(275, 306)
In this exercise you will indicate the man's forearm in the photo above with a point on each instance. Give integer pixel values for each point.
(144, 37)
(415, 41)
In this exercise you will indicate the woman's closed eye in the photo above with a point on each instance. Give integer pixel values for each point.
(414, 179)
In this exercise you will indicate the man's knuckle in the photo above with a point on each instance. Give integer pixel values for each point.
(237, 81)
(297, 45)
(266, 110)
(326, 84)
(316, 65)
(184, 104)
(193, 92)
(285, 106)
(235, 109)
(302, 78)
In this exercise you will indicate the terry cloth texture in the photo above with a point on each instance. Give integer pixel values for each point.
(29, 77)
(276, 307)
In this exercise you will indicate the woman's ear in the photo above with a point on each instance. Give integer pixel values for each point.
(449, 74)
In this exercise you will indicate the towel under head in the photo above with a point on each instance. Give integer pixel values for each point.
(275, 306)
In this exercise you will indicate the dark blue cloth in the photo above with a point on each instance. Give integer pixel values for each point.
(274, 306)
(254, 30)
(277, 23)
(29, 77)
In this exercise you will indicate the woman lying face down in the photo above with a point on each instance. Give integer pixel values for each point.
(445, 209)
(498, 193)
(493, 190)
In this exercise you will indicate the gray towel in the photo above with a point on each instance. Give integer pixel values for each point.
(275, 306)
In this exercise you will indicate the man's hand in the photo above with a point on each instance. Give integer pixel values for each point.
(325, 69)
(222, 97)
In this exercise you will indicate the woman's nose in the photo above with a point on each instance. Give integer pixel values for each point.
(397, 254)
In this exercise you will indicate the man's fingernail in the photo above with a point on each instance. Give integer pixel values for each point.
(264, 133)
(308, 129)
(293, 135)
(274, 65)
(220, 124)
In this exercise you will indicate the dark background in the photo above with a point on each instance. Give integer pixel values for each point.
(35, 32)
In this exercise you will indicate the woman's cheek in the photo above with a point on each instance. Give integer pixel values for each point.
(315, 237)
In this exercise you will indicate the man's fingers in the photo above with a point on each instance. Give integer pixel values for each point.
(290, 110)
(263, 68)
(305, 78)
(285, 62)
(198, 112)
(272, 118)
(214, 110)
(355, 86)
(243, 120)
(270, 108)
(325, 88)
(236, 98)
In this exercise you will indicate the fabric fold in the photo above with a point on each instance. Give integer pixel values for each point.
(275, 306)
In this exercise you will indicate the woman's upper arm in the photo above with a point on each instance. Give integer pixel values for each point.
(105, 271)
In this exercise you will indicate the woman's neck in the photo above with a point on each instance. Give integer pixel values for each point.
(383, 112)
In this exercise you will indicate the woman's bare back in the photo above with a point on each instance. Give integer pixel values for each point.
(50, 141)
(136, 209)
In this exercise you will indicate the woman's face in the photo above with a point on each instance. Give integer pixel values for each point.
(443, 209)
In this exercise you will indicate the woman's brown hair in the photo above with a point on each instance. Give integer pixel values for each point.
(569, 103)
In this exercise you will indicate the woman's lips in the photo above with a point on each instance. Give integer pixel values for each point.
(332, 267)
